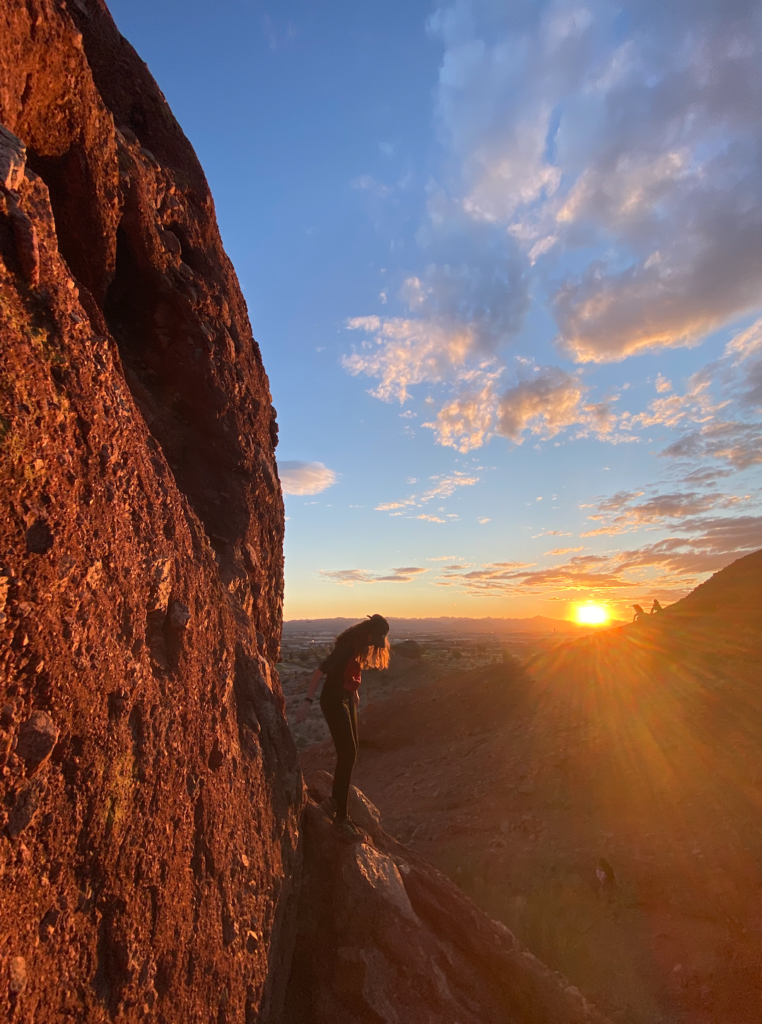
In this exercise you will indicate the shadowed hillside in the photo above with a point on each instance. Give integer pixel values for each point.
(640, 746)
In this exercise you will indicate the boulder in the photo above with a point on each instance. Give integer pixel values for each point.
(385, 937)
(408, 649)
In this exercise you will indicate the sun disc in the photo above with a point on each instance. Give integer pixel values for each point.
(591, 614)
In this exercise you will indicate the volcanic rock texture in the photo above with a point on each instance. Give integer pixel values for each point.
(149, 789)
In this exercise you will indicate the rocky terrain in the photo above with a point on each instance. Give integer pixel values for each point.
(150, 795)
(383, 936)
(160, 858)
(602, 800)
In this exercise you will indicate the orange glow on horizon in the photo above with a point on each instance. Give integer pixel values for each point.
(591, 614)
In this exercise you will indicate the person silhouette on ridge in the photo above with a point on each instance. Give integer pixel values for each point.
(363, 645)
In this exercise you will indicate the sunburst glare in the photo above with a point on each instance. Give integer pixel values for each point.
(591, 614)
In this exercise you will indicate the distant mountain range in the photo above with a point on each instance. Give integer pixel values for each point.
(453, 624)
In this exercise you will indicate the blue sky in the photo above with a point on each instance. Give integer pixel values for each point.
(504, 262)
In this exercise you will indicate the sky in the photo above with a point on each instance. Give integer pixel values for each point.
(504, 263)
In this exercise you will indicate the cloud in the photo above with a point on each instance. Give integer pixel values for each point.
(744, 353)
(442, 486)
(543, 405)
(298, 477)
(604, 160)
(737, 443)
(630, 147)
(468, 421)
(348, 577)
(544, 401)
(563, 551)
(467, 301)
(671, 566)
(620, 513)
(547, 400)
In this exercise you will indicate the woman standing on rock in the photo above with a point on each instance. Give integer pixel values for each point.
(361, 646)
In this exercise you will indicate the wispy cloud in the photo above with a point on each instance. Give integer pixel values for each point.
(442, 486)
(670, 566)
(623, 513)
(298, 477)
(348, 577)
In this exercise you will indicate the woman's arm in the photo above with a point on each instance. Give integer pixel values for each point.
(301, 714)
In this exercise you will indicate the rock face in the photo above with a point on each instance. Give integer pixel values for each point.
(385, 937)
(150, 792)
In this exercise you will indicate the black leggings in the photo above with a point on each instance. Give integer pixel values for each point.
(340, 712)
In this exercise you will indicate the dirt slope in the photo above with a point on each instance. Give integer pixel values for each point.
(639, 746)
(149, 790)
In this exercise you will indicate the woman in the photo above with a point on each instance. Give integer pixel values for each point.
(361, 646)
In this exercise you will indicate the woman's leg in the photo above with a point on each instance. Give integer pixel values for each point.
(338, 715)
(353, 720)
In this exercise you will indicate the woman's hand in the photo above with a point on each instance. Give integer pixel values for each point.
(301, 712)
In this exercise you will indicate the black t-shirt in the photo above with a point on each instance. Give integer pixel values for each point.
(341, 675)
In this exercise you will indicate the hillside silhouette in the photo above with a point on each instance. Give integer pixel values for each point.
(602, 800)
(449, 624)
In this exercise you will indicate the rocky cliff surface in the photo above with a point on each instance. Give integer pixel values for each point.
(150, 792)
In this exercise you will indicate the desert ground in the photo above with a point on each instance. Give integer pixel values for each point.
(601, 797)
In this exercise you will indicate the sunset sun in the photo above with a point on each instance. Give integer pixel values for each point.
(591, 614)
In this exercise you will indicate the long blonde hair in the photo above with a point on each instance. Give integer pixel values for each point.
(367, 641)
(375, 657)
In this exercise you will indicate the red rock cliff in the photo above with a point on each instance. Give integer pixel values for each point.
(150, 790)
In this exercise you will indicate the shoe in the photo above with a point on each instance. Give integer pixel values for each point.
(328, 806)
(348, 832)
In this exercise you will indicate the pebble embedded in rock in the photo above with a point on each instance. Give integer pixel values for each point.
(179, 615)
(48, 923)
(25, 807)
(38, 736)
(18, 976)
(171, 241)
(12, 159)
(39, 538)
